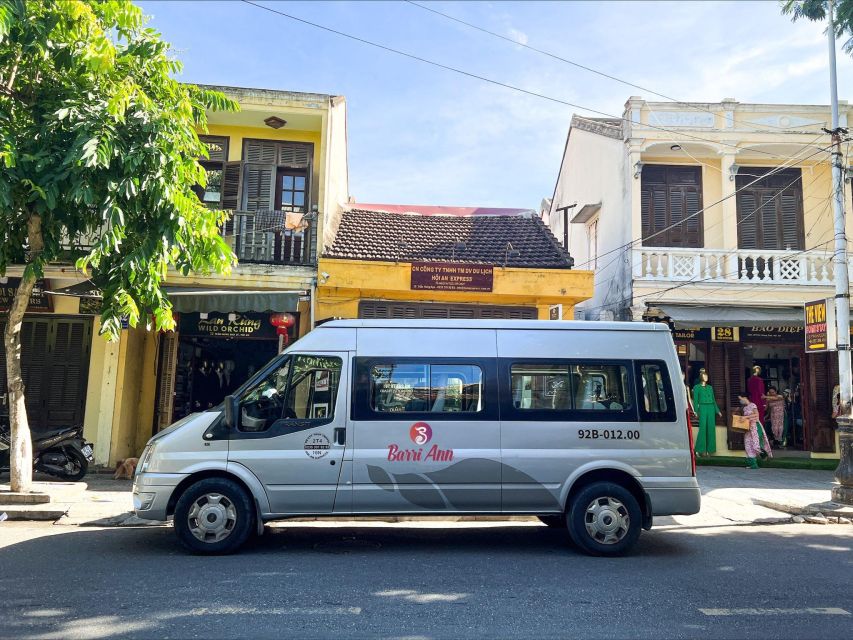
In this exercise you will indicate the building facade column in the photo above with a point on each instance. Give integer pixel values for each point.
(728, 166)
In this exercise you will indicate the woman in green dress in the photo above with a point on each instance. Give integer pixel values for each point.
(706, 408)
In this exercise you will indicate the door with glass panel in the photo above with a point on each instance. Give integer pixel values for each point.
(427, 435)
(291, 431)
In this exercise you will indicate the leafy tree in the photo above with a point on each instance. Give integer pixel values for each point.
(98, 155)
(817, 11)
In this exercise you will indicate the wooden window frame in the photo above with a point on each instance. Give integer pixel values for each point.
(651, 236)
(208, 165)
(760, 190)
(275, 167)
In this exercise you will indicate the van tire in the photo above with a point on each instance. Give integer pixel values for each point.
(604, 519)
(214, 516)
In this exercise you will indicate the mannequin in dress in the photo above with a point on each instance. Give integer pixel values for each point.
(705, 406)
(755, 390)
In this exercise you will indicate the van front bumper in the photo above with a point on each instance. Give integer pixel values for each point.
(151, 494)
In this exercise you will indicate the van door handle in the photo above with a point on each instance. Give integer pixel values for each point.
(340, 435)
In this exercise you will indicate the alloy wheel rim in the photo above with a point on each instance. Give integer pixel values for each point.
(607, 520)
(212, 517)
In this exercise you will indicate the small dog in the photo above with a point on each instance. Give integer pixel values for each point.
(126, 468)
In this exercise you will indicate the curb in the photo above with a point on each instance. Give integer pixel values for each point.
(37, 512)
(827, 509)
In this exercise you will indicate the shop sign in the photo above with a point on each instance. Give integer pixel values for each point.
(451, 276)
(691, 334)
(821, 331)
(725, 334)
(225, 325)
(555, 312)
(771, 334)
(39, 300)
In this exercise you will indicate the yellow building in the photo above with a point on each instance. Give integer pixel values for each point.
(395, 261)
(716, 218)
(280, 164)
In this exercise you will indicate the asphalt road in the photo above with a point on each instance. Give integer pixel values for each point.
(447, 581)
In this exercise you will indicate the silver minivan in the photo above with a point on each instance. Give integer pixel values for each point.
(583, 424)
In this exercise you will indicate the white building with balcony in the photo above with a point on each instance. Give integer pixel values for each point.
(715, 218)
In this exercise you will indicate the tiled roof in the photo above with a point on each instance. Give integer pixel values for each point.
(378, 235)
(441, 210)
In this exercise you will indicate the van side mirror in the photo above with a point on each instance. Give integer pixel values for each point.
(232, 411)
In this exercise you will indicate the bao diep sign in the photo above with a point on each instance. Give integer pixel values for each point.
(420, 433)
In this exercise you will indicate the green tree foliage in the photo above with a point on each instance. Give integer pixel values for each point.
(98, 157)
(817, 11)
(99, 140)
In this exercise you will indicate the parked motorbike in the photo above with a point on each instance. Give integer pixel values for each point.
(62, 453)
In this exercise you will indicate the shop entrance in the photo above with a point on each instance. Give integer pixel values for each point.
(781, 369)
(209, 356)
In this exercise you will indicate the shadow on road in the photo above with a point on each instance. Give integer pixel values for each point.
(473, 581)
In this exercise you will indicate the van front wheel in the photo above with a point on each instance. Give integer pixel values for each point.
(214, 515)
(604, 519)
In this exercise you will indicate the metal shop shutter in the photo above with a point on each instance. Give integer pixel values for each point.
(369, 309)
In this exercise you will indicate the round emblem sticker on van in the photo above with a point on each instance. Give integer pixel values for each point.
(420, 433)
(317, 446)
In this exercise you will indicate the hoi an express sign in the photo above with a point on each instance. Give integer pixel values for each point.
(39, 300)
(451, 276)
(219, 325)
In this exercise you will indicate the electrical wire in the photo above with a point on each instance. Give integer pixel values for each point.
(468, 74)
(584, 67)
(775, 170)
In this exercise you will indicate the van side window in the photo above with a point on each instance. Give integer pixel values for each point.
(656, 389)
(541, 386)
(304, 387)
(426, 388)
(601, 387)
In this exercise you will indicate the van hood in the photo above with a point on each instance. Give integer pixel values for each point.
(181, 423)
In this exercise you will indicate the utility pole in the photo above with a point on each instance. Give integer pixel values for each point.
(844, 473)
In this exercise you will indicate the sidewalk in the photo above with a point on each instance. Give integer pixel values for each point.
(729, 496)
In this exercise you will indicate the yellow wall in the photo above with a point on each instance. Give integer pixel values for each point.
(350, 281)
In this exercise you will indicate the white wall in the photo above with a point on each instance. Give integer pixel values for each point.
(594, 170)
(337, 169)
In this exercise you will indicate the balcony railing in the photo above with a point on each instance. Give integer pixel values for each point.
(272, 237)
(739, 265)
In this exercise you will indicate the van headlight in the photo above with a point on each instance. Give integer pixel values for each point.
(145, 459)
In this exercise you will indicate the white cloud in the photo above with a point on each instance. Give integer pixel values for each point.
(519, 36)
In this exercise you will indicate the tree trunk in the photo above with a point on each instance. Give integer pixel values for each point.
(21, 449)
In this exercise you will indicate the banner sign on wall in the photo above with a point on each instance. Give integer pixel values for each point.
(221, 325)
(820, 325)
(39, 300)
(451, 276)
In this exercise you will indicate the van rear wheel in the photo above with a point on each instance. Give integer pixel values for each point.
(604, 519)
(214, 515)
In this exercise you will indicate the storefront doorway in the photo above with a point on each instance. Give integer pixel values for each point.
(781, 369)
(209, 356)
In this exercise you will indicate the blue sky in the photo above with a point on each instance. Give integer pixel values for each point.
(421, 135)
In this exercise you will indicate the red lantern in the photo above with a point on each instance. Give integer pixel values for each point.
(282, 321)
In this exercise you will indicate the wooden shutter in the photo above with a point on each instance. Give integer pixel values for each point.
(747, 229)
(819, 424)
(670, 203)
(217, 147)
(770, 210)
(68, 372)
(294, 155)
(260, 151)
(231, 185)
(736, 381)
(166, 379)
(258, 187)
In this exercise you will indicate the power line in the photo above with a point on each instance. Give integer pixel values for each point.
(498, 83)
(695, 281)
(777, 169)
(582, 66)
(731, 251)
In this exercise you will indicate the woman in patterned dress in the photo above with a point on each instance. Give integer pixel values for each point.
(776, 409)
(755, 441)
